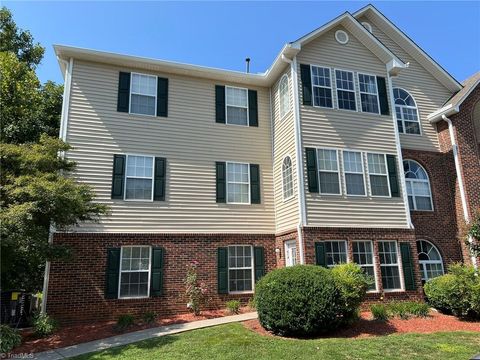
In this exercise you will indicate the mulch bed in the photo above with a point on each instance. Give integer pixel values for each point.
(367, 327)
(72, 335)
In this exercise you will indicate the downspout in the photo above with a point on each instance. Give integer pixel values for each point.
(63, 136)
(399, 154)
(298, 146)
(458, 170)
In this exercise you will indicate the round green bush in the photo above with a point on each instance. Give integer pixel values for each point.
(9, 338)
(300, 301)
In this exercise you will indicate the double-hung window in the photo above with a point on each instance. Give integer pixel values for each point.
(143, 94)
(388, 254)
(369, 93)
(134, 271)
(237, 105)
(284, 96)
(139, 178)
(328, 171)
(238, 183)
(406, 112)
(240, 268)
(363, 256)
(418, 186)
(287, 178)
(378, 174)
(353, 170)
(336, 252)
(345, 90)
(322, 87)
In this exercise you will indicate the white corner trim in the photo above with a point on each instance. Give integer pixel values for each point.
(66, 99)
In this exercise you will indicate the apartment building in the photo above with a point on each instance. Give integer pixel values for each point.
(337, 153)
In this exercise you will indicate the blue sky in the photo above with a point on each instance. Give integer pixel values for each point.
(222, 34)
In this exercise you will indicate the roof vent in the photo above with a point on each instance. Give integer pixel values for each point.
(367, 26)
(341, 36)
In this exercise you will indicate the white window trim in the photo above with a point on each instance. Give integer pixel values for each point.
(234, 182)
(420, 262)
(367, 26)
(413, 190)
(241, 268)
(346, 35)
(287, 247)
(377, 174)
(354, 88)
(409, 107)
(131, 92)
(329, 171)
(375, 272)
(350, 172)
(285, 76)
(139, 177)
(399, 264)
(320, 86)
(242, 107)
(283, 180)
(346, 250)
(367, 93)
(149, 272)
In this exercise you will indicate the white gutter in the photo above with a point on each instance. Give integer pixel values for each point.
(458, 170)
(298, 146)
(62, 135)
(399, 154)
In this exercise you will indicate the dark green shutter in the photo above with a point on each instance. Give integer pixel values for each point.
(306, 77)
(123, 92)
(221, 169)
(312, 173)
(255, 183)
(259, 262)
(382, 95)
(118, 176)
(407, 264)
(222, 270)
(162, 97)
(220, 104)
(156, 277)
(320, 255)
(160, 179)
(393, 175)
(252, 108)
(112, 272)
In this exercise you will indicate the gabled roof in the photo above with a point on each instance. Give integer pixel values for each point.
(452, 105)
(410, 47)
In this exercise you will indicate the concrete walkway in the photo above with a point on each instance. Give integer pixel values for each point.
(132, 337)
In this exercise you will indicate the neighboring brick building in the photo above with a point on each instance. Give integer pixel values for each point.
(338, 153)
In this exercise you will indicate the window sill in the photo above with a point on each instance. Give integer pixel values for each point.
(133, 297)
(241, 292)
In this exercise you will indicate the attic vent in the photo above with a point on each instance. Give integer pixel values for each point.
(367, 26)
(341, 36)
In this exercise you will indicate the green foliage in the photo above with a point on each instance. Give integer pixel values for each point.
(18, 41)
(456, 292)
(408, 309)
(195, 290)
(37, 192)
(9, 338)
(353, 284)
(125, 321)
(471, 234)
(379, 312)
(149, 317)
(306, 299)
(251, 303)
(233, 306)
(44, 325)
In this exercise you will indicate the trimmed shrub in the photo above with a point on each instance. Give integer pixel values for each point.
(300, 300)
(233, 306)
(44, 325)
(379, 312)
(124, 321)
(149, 317)
(9, 339)
(456, 292)
(352, 283)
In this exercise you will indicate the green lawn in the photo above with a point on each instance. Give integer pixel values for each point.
(233, 341)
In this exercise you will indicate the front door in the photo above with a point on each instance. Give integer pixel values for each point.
(290, 252)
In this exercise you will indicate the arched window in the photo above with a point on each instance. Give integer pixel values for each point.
(287, 177)
(284, 96)
(418, 186)
(431, 264)
(406, 112)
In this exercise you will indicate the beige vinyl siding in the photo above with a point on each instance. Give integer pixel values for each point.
(190, 140)
(286, 211)
(428, 92)
(343, 129)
